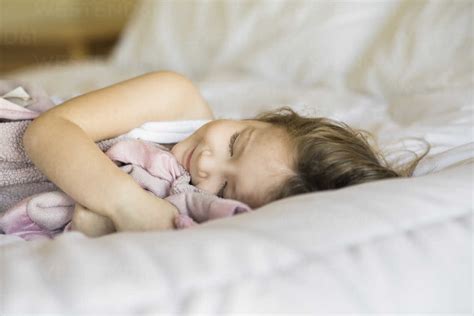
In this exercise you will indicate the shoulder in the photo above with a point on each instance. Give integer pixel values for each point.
(193, 105)
(117, 109)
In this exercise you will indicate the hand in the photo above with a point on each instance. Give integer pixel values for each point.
(90, 223)
(143, 212)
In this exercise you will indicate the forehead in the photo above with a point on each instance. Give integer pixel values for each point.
(264, 163)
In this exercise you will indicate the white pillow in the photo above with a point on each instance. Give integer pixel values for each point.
(424, 46)
(381, 47)
(289, 41)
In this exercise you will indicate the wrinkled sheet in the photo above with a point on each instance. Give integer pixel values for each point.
(400, 69)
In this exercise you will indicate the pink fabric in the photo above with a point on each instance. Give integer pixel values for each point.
(40, 216)
(152, 166)
(19, 177)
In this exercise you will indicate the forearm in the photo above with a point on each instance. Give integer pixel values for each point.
(70, 159)
(61, 143)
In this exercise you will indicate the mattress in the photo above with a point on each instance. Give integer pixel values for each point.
(401, 70)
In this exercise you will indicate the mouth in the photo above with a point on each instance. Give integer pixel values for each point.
(188, 160)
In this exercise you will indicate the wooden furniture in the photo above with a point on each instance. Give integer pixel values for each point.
(35, 31)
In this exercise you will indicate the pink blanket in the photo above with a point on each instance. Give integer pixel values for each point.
(152, 166)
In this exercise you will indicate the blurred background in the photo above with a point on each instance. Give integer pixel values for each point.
(43, 32)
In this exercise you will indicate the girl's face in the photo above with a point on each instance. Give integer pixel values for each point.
(240, 160)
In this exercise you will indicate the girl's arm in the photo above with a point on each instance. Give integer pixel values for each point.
(61, 143)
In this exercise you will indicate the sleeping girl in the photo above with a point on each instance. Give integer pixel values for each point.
(256, 161)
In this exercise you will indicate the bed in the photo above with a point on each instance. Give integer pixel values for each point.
(401, 70)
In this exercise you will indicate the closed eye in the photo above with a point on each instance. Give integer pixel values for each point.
(233, 138)
(231, 143)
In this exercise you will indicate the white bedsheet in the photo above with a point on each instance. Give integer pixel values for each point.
(400, 69)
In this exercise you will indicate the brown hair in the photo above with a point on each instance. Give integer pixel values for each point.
(328, 154)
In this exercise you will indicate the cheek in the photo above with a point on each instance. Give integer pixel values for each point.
(177, 149)
(180, 148)
(209, 185)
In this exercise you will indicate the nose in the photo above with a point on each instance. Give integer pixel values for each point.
(211, 165)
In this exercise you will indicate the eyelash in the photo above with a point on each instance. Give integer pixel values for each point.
(231, 152)
(231, 143)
